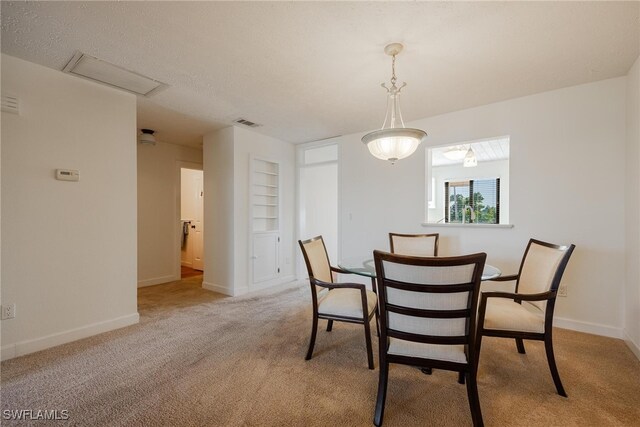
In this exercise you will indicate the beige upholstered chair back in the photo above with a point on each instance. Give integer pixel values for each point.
(428, 275)
(414, 244)
(539, 268)
(317, 260)
(434, 297)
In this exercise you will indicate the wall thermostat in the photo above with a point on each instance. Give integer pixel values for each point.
(67, 175)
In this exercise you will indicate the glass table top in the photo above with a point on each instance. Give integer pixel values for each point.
(364, 266)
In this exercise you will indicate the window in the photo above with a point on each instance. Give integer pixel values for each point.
(472, 201)
(453, 191)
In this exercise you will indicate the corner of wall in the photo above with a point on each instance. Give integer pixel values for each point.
(635, 348)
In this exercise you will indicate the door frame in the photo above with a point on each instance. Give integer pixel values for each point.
(177, 213)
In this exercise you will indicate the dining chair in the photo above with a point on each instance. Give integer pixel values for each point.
(414, 244)
(344, 302)
(427, 318)
(527, 313)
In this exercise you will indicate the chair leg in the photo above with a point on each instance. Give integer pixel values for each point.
(477, 350)
(329, 325)
(520, 345)
(312, 341)
(382, 393)
(474, 401)
(367, 337)
(461, 377)
(548, 346)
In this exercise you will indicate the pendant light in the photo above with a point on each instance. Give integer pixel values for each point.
(470, 160)
(394, 141)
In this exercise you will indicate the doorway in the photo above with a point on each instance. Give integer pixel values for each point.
(318, 197)
(191, 222)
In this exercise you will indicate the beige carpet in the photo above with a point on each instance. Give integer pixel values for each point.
(200, 359)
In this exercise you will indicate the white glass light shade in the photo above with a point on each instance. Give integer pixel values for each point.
(455, 153)
(146, 137)
(393, 144)
(470, 160)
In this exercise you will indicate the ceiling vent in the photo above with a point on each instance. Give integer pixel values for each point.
(246, 123)
(88, 67)
(10, 104)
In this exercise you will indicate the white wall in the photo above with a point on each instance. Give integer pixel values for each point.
(632, 210)
(227, 154)
(219, 211)
(495, 169)
(158, 210)
(567, 176)
(69, 248)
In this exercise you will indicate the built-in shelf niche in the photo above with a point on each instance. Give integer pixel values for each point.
(265, 196)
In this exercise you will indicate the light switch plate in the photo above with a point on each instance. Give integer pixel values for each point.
(67, 175)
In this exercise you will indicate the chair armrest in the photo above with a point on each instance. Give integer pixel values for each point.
(519, 297)
(338, 285)
(339, 270)
(504, 278)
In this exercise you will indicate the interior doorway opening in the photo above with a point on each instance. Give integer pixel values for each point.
(318, 197)
(191, 223)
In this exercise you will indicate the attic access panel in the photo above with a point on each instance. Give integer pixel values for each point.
(88, 67)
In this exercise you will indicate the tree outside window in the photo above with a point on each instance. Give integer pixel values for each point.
(480, 196)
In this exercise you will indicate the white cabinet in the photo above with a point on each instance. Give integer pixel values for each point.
(265, 257)
(265, 220)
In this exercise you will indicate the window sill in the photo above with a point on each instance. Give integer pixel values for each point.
(458, 225)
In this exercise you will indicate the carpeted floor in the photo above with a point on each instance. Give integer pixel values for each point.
(201, 359)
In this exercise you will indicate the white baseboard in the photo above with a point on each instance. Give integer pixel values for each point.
(245, 289)
(588, 327)
(271, 283)
(217, 288)
(240, 291)
(157, 280)
(30, 346)
(635, 348)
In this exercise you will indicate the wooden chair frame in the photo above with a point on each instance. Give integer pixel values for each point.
(469, 369)
(549, 296)
(365, 320)
(436, 235)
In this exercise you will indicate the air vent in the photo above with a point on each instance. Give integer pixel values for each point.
(88, 67)
(248, 123)
(10, 104)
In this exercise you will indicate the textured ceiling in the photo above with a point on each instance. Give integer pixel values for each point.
(311, 70)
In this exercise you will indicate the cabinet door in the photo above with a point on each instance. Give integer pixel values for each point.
(265, 257)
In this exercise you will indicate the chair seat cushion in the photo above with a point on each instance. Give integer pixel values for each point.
(346, 302)
(507, 315)
(449, 353)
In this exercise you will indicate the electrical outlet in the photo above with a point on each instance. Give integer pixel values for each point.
(562, 290)
(8, 311)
